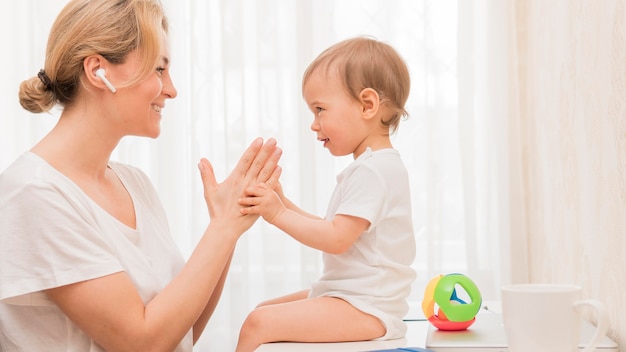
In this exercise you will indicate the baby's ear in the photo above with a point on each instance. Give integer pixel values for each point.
(370, 102)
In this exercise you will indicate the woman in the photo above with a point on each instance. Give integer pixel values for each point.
(86, 259)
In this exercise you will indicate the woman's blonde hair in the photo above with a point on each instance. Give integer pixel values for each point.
(111, 28)
(363, 62)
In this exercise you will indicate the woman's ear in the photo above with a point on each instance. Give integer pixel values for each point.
(370, 102)
(91, 64)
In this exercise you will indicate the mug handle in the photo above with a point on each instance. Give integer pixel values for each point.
(603, 321)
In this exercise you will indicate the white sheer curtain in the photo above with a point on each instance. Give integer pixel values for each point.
(237, 66)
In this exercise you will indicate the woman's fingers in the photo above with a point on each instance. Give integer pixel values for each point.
(273, 181)
(213, 192)
(249, 158)
(264, 162)
(207, 175)
(222, 200)
(270, 167)
(258, 162)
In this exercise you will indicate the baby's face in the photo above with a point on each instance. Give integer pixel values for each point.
(337, 117)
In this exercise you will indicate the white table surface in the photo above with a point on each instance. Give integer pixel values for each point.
(417, 327)
(415, 337)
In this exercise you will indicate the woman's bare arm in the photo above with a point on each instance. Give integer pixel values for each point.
(110, 310)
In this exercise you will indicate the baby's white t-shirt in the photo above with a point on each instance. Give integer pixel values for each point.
(374, 274)
(52, 234)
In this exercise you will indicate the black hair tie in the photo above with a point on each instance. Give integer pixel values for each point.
(43, 77)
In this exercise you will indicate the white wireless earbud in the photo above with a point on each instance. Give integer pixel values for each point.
(100, 73)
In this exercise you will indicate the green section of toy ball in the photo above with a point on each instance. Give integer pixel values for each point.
(446, 299)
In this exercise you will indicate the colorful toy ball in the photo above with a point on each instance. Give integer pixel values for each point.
(453, 313)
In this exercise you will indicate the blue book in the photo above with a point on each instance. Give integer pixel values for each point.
(404, 349)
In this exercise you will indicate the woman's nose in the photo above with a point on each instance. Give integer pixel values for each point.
(168, 88)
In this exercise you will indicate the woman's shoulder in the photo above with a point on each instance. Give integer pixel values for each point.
(32, 185)
(27, 168)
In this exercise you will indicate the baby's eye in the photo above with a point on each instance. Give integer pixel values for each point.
(318, 109)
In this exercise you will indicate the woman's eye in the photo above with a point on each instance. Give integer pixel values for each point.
(160, 70)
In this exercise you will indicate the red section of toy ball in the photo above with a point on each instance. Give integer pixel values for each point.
(447, 325)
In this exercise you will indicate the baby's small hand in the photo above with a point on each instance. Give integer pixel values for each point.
(262, 200)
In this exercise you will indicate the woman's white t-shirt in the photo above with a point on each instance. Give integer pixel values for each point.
(374, 274)
(52, 234)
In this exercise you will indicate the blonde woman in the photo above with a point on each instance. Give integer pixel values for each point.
(87, 262)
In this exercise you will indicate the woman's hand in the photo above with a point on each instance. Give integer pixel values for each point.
(278, 188)
(258, 164)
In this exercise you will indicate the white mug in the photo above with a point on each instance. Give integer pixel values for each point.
(547, 318)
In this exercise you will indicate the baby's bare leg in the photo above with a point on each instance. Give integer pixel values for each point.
(287, 298)
(320, 319)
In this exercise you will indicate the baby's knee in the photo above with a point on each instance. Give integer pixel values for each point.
(252, 327)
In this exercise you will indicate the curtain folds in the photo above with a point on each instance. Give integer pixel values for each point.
(573, 100)
(491, 134)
